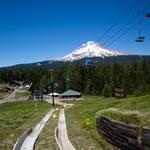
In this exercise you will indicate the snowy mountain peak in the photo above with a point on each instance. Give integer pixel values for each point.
(90, 49)
(89, 43)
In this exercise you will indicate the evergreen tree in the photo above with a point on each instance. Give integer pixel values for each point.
(88, 88)
(99, 79)
(107, 91)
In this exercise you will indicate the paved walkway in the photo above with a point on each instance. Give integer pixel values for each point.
(62, 136)
(56, 102)
(63, 140)
(31, 139)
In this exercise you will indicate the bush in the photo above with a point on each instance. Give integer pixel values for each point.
(107, 91)
(142, 90)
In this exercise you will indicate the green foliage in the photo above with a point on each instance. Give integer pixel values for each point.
(88, 87)
(43, 82)
(142, 90)
(81, 123)
(100, 79)
(2, 94)
(107, 91)
(23, 93)
(17, 117)
(81, 118)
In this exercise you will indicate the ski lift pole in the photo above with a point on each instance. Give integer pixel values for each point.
(140, 24)
(52, 85)
(53, 94)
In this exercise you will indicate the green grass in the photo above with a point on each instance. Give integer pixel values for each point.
(81, 118)
(82, 135)
(2, 94)
(16, 118)
(135, 110)
(3, 85)
(23, 93)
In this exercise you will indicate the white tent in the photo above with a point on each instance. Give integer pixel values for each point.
(55, 94)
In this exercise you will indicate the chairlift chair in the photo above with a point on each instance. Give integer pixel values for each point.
(148, 15)
(140, 38)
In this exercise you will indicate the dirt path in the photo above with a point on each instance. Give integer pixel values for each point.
(10, 98)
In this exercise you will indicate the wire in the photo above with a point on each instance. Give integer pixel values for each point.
(130, 21)
(124, 33)
(140, 27)
(119, 20)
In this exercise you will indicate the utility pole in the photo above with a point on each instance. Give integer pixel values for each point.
(52, 85)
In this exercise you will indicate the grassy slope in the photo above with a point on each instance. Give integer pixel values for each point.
(81, 119)
(23, 93)
(17, 117)
(82, 135)
(135, 110)
(2, 94)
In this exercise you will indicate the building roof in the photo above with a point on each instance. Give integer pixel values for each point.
(70, 93)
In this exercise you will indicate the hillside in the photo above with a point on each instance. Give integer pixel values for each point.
(94, 60)
(15, 118)
(82, 118)
(88, 53)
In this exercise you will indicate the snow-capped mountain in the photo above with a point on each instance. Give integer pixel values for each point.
(90, 49)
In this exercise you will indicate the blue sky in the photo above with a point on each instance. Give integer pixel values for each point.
(36, 30)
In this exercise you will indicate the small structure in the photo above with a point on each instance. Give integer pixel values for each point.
(89, 62)
(54, 94)
(38, 95)
(120, 93)
(70, 94)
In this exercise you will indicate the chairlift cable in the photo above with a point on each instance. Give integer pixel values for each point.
(130, 21)
(120, 19)
(124, 33)
(139, 28)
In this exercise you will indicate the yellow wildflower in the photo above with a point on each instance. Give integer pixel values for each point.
(54, 116)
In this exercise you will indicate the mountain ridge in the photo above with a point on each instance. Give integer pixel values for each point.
(90, 52)
(107, 60)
